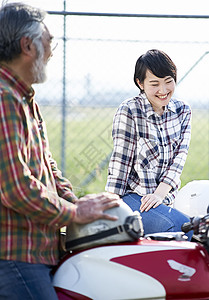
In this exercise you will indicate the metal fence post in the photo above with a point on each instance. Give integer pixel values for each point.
(63, 138)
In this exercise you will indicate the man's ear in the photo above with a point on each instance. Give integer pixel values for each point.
(26, 45)
(141, 85)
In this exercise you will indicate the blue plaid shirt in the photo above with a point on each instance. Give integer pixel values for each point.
(148, 148)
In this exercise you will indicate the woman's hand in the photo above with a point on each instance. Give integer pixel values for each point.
(150, 200)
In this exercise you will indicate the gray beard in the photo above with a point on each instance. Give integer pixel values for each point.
(39, 71)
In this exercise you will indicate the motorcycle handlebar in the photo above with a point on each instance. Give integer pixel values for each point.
(186, 227)
(200, 226)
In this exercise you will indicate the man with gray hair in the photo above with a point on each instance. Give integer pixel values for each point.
(35, 199)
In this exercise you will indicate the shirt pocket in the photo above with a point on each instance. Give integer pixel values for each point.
(148, 154)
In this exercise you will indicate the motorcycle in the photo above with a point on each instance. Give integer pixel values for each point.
(106, 262)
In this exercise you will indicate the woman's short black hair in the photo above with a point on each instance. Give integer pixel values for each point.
(157, 62)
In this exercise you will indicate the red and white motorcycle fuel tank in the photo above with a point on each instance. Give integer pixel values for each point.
(146, 269)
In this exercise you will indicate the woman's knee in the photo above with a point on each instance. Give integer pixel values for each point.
(156, 221)
(163, 218)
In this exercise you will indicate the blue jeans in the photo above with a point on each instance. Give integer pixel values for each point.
(24, 281)
(160, 219)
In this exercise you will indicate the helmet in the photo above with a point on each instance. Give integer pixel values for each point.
(128, 227)
(192, 199)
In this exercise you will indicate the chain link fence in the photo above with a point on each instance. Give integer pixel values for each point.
(91, 73)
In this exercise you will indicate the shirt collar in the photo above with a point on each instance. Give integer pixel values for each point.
(15, 81)
(171, 106)
(148, 109)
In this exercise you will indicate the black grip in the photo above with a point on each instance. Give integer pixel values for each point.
(186, 227)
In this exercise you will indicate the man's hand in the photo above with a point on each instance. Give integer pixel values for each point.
(91, 207)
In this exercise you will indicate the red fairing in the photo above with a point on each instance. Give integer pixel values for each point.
(182, 272)
(63, 294)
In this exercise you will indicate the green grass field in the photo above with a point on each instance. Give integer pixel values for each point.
(88, 144)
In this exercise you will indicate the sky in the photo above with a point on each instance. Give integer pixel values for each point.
(131, 6)
(185, 40)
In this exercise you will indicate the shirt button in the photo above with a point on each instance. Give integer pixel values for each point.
(161, 129)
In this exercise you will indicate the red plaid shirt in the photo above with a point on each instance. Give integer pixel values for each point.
(33, 195)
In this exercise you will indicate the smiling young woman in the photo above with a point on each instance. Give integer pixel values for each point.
(158, 90)
(151, 135)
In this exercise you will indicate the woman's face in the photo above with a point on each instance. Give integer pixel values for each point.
(158, 90)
